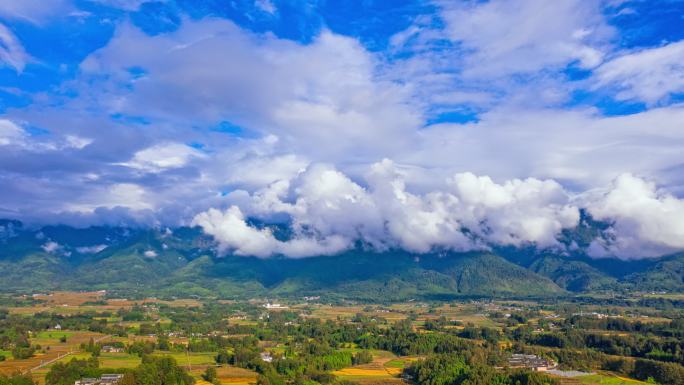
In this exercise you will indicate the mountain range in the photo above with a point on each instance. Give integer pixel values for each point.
(183, 262)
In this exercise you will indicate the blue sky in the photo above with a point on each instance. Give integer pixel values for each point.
(155, 112)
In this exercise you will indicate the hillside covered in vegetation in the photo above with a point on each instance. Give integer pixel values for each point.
(183, 261)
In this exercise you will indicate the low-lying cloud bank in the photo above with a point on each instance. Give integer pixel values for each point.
(329, 213)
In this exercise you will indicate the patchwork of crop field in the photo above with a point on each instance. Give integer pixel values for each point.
(61, 345)
(52, 350)
(385, 365)
(601, 379)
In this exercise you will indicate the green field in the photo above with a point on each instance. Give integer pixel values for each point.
(119, 360)
(399, 363)
(600, 379)
(192, 358)
(53, 334)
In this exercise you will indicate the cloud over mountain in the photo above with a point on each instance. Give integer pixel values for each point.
(328, 212)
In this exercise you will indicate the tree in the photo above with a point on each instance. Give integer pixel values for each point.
(158, 371)
(16, 379)
(362, 357)
(210, 374)
(223, 357)
(66, 373)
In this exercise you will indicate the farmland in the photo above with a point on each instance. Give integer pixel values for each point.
(367, 344)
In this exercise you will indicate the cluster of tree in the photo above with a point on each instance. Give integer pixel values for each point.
(14, 336)
(65, 373)
(440, 323)
(674, 328)
(153, 370)
(630, 344)
(664, 373)
(14, 324)
(16, 379)
(362, 357)
(454, 369)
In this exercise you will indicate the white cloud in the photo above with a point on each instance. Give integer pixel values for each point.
(649, 75)
(51, 247)
(10, 133)
(120, 195)
(77, 142)
(34, 11)
(266, 6)
(503, 37)
(647, 222)
(91, 249)
(328, 211)
(235, 235)
(577, 147)
(515, 212)
(163, 156)
(150, 254)
(267, 85)
(11, 51)
(128, 5)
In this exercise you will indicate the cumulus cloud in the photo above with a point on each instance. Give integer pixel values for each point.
(290, 91)
(51, 247)
(649, 74)
(233, 234)
(150, 254)
(328, 212)
(163, 156)
(645, 221)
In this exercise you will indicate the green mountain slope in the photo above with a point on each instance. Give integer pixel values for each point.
(181, 262)
(571, 275)
(666, 274)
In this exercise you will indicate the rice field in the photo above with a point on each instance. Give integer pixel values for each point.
(228, 375)
(119, 360)
(602, 379)
(52, 350)
(385, 365)
(69, 303)
(191, 359)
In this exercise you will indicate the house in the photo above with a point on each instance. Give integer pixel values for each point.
(266, 357)
(110, 379)
(111, 349)
(58, 327)
(86, 381)
(274, 306)
(105, 379)
(530, 361)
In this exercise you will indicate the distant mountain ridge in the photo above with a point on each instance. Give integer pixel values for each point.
(182, 262)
